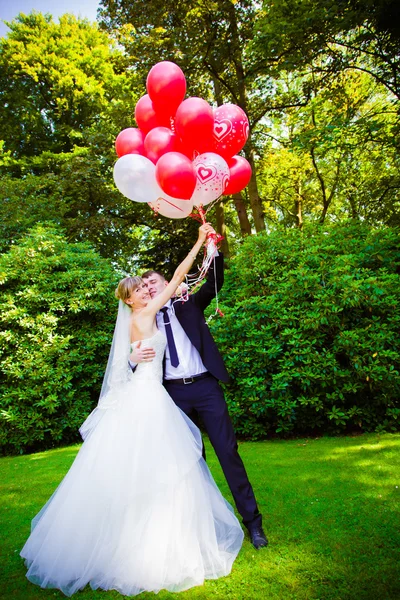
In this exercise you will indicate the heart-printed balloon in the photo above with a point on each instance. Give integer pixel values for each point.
(171, 207)
(222, 129)
(231, 130)
(212, 177)
(205, 173)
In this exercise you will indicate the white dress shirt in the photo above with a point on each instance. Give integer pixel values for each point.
(190, 362)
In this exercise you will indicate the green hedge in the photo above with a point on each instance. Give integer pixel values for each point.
(57, 318)
(311, 333)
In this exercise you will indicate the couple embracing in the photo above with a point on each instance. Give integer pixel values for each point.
(139, 509)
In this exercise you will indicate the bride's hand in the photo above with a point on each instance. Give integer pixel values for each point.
(139, 355)
(205, 230)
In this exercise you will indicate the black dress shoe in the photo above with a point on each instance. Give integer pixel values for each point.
(258, 538)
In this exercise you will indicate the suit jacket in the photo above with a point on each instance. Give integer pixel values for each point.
(190, 315)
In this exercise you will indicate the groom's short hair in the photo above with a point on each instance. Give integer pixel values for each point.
(149, 273)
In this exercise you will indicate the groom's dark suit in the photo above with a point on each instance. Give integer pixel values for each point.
(190, 315)
(205, 397)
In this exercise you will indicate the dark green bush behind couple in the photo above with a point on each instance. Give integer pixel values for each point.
(311, 331)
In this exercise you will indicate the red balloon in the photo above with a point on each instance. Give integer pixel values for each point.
(129, 141)
(145, 114)
(175, 175)
(231, 130)
(166, 86)
(186, 150)
(194, 123)
(239, 175)
(159, 141)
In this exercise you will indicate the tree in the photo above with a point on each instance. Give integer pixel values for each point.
(57, 155)
(56, 81)
(334, 157)
(336, 34)
(209, 41)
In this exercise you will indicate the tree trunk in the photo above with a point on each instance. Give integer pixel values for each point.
(245, 227)
(255, 201)
(237, 50)
(298, 211)
(240, 207)
(298, 207)
(325, 200)
(354, 211)
(221, 228)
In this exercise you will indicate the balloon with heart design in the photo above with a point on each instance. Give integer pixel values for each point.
(246, 129)
(212, 177)
(222, 129)
(231, 130)
(171, 207)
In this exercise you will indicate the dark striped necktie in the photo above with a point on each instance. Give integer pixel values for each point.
(173, 354)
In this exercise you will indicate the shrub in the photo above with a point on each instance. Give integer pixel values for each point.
(57, 316)
(311, 333)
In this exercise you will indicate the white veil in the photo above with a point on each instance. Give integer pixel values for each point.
(118, 370)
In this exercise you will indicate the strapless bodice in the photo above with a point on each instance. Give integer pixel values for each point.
(153, 369)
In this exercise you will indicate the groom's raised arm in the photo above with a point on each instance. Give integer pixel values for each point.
(213, 283)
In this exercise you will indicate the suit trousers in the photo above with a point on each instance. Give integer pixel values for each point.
(205, 398)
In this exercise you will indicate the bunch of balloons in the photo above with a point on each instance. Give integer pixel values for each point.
(183, 153)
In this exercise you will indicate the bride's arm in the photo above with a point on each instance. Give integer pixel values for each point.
(158, 302)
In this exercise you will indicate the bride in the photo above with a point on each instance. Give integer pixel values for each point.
(138, 510)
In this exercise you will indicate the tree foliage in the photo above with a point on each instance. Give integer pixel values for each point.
(334, 35)
(56, 81)
(335, 157)
(57, 154)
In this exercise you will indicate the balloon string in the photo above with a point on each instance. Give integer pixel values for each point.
(199, 214)
(218, 311)
(194, 280)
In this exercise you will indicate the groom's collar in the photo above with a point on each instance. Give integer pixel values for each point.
(168, 304)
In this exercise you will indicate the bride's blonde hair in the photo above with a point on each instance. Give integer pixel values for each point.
(127, 286)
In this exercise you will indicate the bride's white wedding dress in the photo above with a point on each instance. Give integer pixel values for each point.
(138, 510)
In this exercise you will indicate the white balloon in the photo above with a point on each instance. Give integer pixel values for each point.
(212, 177)
(134, 176)
(171, 207)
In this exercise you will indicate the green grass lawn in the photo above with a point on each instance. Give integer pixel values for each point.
(331, 512)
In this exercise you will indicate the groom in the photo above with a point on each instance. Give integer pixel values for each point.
(193, 366)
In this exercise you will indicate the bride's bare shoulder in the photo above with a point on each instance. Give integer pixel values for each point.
(141, 325)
